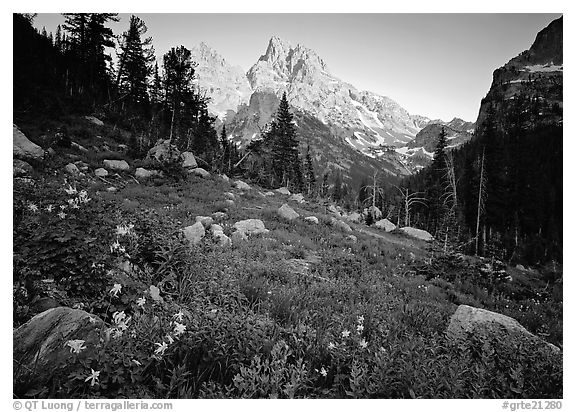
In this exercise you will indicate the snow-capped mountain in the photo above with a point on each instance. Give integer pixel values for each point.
(226, 85)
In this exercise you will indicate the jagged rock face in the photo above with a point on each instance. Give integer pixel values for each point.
(363, 119)
(529, 84)
(226, 85)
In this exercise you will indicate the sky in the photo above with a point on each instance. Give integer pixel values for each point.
(436, 65)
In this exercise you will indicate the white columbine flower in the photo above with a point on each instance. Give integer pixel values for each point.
(61, 215)
(32, 207)
(141, 301)
(179, 328)
(117, 333)
(170, 339)
(360, 328)
(118, 316)
(49, 208)
(331, 346)
(94, 377)
(116, 289)
(345, 333)
(179, 316)
(71, 190)
(363, 344)
(323, 372)
(361, 319)
(161, 348)
(76, 345)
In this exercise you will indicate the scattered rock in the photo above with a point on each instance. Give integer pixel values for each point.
(40, 345)
(311, 219)
(286, 212)
(94, 120)
(24, 149)
(205, 220)
(101, 172)
(142, 173)
(21, 168)
(269, 193)
(334, 210)
(352, 238)
(229, 195)
(283, 191)
(374, 211)
(340, 225)
(240, 185)
(229, 202)
(194, 233)
(220, 216)
(238, 236)
(72, 169)
(520, 267)
(386, 225)
(188, 160)
(216, 228)
(221, 239)
(155, 294)
(225, 178)
(164, 152)
(297, 197)
(417, 233)
(111, 189)
(116, 164)
(250, 227)
(489, 325)
(83, 166)
(51, 151)
(354, 217)
(79, 147)
(200, 172)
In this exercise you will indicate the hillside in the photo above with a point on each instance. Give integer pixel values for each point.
(292, 308)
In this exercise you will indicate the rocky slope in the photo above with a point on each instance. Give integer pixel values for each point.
(529, 86)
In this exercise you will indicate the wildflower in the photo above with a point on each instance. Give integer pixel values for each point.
(363, 344)
(76, 345)
(93, 377)
(141, 301)
(49, 208)
(123, 230)
(71, 190)
(117, 333)
(32, 207)
(179, 328)
(331, 346)
(116, 289)
(123, 325)
(61, 215)
(179, 316)
(360, 328)
(91, 319)
(115, 246)
(83, 197)
(170, 339)
(118, 316)
(360, 319)
(323, 372)
(161, 348)
(62, 207)
(345, 333)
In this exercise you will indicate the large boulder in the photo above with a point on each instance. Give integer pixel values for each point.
(354, 217)
(194, 233)
(250, 227)
(297, 197)
(343, 226)
(283, 191)
(101, 172)
(41, 346)
(164, 152)
(468, 321)
(24, 149)
(116, 164)
(417, 233)
(21, 168)
(312, 219)
(200, 172)
(240, 185)
(188, 160)
(385, 224)
(286, 212)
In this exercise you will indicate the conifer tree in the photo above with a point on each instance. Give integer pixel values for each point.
(309, 174)
(156, 86)
(286, 160)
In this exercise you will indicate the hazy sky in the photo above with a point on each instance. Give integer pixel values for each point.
(435, 65)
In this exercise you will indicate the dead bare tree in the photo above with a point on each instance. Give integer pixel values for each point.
(376, 191)
(409, 200)
(481, 198)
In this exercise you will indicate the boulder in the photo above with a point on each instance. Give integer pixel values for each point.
(216, 228)
(164, 152)
(240, 185)
(283, 191)
(311, 219)
(229, 195)
(417, 233)
(374, 211)
(286, 212)
(40, 345)
(354, 217)
(269, 193)
(229, 202)
(194, 233)
(221, 239)
(188, 160)
(219, 216)
(71, 169)
(468, 320)
(111, 189)
(343, 226)
(116, 164)
(200, 172)
(79, 147)
(352, 238)
(94, 120)
(21, 168)
(142, 173)
(238, 236)
(297, 197)
(225, 178)
(385, 224)
(101, 172)
(250, 227)
(205, 220)
(83, 166)
(334, 210)
(24, 149)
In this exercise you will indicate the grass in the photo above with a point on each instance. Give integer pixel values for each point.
(252, 320)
